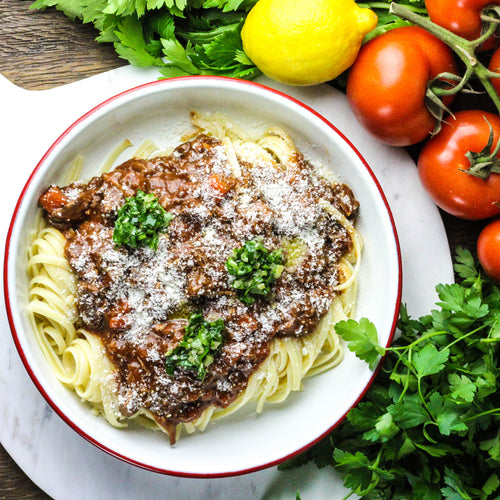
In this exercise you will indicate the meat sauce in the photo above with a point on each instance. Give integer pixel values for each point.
(137, 300)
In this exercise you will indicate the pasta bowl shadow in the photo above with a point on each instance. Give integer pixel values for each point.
(244, 441)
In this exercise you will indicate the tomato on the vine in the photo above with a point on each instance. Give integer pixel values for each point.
(458, 166)
(488, 250)
(462, 17)
(387, 85)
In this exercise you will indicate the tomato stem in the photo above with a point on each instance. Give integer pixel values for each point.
(491, 29)
(464, 49)
(484, 162)
(448, 78)
(386, 6)
(491, 13)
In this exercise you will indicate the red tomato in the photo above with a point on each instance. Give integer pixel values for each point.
(443, 165)
(387, 84)
(494, 65)
(462, 17)
(488, 250)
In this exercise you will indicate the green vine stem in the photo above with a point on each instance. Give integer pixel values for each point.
(386, 6)
(464, 49)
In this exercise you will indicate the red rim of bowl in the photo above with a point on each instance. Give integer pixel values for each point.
(19, 347)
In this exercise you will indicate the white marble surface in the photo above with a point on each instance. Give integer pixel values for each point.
(65, 465)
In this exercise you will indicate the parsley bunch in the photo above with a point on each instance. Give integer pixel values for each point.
(255, 269)
(179, 37)
(429, 427)
(140, 221)
(202, 340)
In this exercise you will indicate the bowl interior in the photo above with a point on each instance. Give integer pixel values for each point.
(244, 441)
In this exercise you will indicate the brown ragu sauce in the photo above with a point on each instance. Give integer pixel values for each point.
(137, 300)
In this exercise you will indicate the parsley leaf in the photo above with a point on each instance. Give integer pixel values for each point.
(70, 8)
(461, 388)
(140, 220)
(409, 412)
(255, 269)
(132, 44)
(362, 339)
(429, 360)
(196, 351)
(465, 265)
(180, 63)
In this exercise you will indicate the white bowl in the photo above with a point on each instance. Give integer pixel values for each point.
(243, 442)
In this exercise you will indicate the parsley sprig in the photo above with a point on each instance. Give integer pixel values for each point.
(202, 340)
(255, 269)
(140, 221)
(429, 427)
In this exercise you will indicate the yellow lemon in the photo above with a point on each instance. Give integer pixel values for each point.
(305, 42)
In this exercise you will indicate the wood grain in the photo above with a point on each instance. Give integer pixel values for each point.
(42, 50)
(14, 484)
(45, 49)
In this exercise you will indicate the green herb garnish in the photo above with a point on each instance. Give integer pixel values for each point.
(255, 269)
(201, 341)
(140, 221)
(429, 426)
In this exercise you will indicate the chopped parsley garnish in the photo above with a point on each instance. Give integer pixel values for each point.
(195, 352)
(140, 221)
(255, 269)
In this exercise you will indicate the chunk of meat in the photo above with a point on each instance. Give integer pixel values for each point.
(66, 206)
